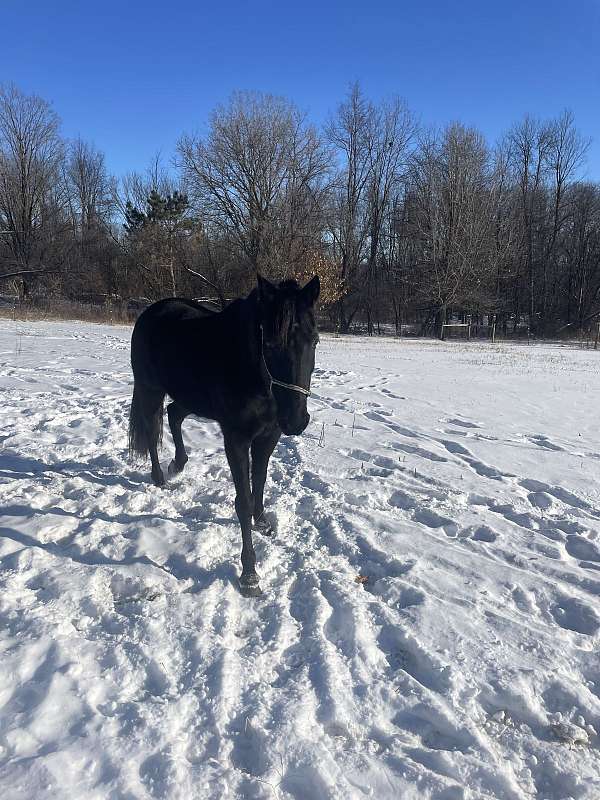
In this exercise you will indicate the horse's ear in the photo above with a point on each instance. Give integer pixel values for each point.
(266, 290)
(310, 293)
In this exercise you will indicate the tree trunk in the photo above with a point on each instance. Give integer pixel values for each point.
(440, 321)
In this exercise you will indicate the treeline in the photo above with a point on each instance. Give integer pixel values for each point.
(402, 224)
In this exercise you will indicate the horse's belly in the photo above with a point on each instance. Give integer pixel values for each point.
(195, 401)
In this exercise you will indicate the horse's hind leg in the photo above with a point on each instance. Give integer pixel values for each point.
(145, 426)
(152, 404)
(176, 414)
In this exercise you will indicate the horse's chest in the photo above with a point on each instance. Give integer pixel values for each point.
(245, 412)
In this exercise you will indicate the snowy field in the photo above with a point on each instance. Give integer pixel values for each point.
(430, 626)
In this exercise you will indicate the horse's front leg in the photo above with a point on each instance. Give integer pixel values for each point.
(237, 452)
(262, 449)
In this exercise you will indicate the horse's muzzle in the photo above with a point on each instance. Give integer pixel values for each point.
(294, 428)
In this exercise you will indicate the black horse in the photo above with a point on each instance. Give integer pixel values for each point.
(248, 367)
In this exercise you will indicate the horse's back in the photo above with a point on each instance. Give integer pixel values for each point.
(173, 310)
(166, 328)
(184, 348)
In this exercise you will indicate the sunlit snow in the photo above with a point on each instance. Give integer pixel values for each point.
(430, 624)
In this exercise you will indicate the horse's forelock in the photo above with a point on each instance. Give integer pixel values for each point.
(286, 312)
(283, 320)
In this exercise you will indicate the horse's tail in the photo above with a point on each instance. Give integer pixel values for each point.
(145, 420)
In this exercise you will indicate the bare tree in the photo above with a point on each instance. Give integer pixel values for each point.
(452, 218)
(256, 179)
(579, 291)
(530, 142)
(90, 193)
(350, 133)
(90, 188)
(30, 153)
(565, 155)
(392, 132)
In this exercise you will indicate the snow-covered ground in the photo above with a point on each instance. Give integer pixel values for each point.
(430, 626)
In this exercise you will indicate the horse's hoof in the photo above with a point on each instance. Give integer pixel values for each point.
(159, 480)
(174, 468)
(249, 585)
(264, 525)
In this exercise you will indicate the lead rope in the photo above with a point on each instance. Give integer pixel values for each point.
(292, 386)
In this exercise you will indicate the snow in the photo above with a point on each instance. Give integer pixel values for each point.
(430, 626)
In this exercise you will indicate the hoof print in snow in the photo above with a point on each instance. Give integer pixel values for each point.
(499, 717)
(569, 733)
(574, 615)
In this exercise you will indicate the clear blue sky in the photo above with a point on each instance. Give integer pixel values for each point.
(132, 76)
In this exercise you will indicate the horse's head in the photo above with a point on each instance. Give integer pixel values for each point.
(289, 336)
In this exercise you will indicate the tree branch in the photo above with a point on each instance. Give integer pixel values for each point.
(27, 272)
(199, 275)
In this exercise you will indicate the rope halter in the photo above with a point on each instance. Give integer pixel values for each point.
(291, 386)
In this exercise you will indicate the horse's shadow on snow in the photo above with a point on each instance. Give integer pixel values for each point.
(101, 470)
(176, 566)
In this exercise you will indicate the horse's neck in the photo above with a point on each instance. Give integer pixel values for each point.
(248, 323)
